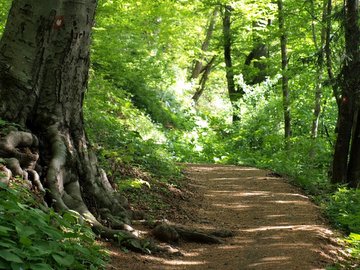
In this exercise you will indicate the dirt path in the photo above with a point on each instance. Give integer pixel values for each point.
(275, 226)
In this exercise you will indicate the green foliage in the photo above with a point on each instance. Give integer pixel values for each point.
(34, 239)
(132, 183)
(123, 134)
(4, 10)
(145, 55)
(203, 143)
(354, 242)
(344, 209)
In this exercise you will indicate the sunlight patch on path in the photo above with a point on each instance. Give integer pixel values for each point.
(275, 226)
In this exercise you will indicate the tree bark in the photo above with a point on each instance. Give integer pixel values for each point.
(346, 161)
(234, 95)
(44, 63)
(284, 68)
(320, 65)
(205, 75)
(328, 55)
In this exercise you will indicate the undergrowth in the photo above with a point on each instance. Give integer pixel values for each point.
(32, 238)
(124, 135)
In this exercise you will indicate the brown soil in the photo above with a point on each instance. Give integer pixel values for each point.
(275, 225)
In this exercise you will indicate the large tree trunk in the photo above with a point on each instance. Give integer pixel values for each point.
(234, 95)
(44, 63)
(284, 67)
(346, 162)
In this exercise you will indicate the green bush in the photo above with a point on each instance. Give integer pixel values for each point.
(344, 209)
(34, 239)
(123, 134)
(354, 242)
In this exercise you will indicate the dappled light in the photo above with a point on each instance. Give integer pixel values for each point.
(274, 225)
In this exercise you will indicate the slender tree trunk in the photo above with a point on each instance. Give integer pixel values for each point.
(44, 63)
(320, 65)
(328, 54)
(198, 67)
(284, 67)
(353, 177)
(346, 162)
(234, 95)
(205, 75)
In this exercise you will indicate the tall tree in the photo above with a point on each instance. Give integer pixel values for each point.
(346, 162)
(284, 68)
(328, 53)
(44, 63)
(199, 67)
(319, 48)
(234, 94)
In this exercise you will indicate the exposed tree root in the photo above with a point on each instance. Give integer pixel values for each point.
(5, 175)
(70, 169)
(19, 153)
(171, 233)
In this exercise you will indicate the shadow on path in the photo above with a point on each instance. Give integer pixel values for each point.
(275, 226)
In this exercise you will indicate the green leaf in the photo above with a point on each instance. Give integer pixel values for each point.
(16, 266)
(6, 245)
(5, 230)
(10, 257)
(41, 266)
(25, 241)
(24, 231)
(136, 244)
(66, 260)
(355, 236)
(4, 265)
(3, 186)
(71, 217)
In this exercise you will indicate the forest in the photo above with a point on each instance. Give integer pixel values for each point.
(103, 104)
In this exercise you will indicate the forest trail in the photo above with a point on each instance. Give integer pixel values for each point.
(275, 225)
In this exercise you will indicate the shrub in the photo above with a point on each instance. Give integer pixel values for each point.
(32, 238)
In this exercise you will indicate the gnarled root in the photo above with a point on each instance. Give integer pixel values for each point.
(19, 150)
(64, 184)
(5, 175)
(35, 179)
(171, 233)
(15, 140)
(73, 178)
